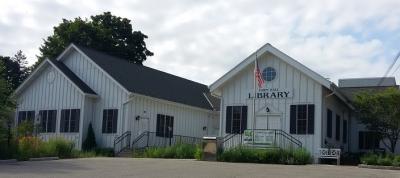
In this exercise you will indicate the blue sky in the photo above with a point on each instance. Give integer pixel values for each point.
(202, 40)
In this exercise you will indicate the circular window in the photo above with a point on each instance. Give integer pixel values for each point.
(269, 74)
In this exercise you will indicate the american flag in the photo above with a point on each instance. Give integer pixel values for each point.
(260, 80)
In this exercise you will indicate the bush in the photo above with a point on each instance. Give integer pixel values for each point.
(62, 148)
(90, 140)
(181, 151)
(370, 159)
(29, 147)
(396, 161)
(384, 161)
(301, 156)
(104, 152)
(198, 154)
(270, 156)
(8, 151)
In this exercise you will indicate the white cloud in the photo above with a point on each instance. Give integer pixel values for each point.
(201, 40)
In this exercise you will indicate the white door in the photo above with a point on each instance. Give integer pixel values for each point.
(268, 122)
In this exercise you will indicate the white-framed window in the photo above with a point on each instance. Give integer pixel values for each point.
(26, 116)
(110, 120)
(302, 119)
(48, 120)
(165, 126)
(69, 121)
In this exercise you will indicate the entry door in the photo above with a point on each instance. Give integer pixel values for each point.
(268, 122)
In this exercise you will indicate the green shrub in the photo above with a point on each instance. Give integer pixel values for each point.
(105, 152)
(8, 151)
(384, 161)
(396, 161)
(301, 156)
(63, 148)
(198, 154)
(181, 151)
(370, 159)
(269, 156)
(90, 140)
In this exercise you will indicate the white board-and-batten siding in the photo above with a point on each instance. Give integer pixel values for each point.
(305, 91)
(111, 94)
(58, 94)
(188, 121)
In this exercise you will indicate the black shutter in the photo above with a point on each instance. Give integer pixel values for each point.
(360, 140)
(244, 119)
(104, 128)
(329, 124)
(20, 116)
(293, 116)
(158, 125)
(228, 123)
(310, 118)
(114, 121)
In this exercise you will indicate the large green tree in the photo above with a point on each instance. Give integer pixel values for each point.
(105, 32)
(380, 112)
(15, 70)
(6, 109)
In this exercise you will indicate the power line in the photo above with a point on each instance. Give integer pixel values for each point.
(390, 68)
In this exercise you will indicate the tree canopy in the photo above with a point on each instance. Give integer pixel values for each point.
(380, 112)
(15, 70)
(105, 32)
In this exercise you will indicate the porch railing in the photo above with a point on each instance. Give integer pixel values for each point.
(122, 142)
(150, 139)
(278, 139)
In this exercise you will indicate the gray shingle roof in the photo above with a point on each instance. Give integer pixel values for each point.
(150, 82)
(75, 79)
(368, 82)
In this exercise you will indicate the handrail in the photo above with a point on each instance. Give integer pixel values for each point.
(282, 138)
(118, 140)
(140, 137)
(151, 139)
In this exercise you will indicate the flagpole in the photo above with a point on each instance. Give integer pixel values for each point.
(254, 98)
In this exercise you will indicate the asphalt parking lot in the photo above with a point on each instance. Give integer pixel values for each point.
(129, 167)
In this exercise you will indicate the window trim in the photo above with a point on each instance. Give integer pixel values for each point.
(310, 119)
(229, 119)
(168, 121)
(26, 113)
(77, 121)
(105, 121)
(46, 123)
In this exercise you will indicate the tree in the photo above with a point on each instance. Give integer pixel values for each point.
(110, 34)
(380, 112)
(6, 109)
(15, 70)
(90, 141)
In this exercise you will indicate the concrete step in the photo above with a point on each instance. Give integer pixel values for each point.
(126, 154)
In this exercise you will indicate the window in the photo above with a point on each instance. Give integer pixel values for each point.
(110, 118)
(26, 116)
(302, 119)
(236, 119)
(165, 126)
(368, 140)
(269, 74)
(344, 131)
(329, 124)
(337, 133)
(48, 120)
(70, 120)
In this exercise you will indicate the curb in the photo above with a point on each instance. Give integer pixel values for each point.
(378, 167)
(8, 161)
(43, 159)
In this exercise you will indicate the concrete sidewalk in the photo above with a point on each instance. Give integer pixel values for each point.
(129, 167)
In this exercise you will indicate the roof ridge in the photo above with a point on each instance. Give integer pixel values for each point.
(137, 65)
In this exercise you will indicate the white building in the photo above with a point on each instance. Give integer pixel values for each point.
(301, 104)
(130, 104)
(85, 86)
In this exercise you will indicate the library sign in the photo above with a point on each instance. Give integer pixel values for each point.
(272, 93)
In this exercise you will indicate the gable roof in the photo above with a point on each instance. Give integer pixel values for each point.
(148, 81)
(268, 48)
(64, 70)
(264, 49)
(71, 76)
